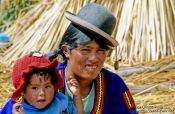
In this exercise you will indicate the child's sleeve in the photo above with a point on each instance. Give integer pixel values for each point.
(71, 109)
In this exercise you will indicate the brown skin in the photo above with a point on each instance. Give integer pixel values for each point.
(75, 89)
(40, 93)
(16, 106)
(84, 63)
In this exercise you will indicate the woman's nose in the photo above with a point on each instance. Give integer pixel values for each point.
(93, 56)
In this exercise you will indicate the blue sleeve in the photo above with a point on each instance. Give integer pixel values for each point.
(71, 109)
(7, 109)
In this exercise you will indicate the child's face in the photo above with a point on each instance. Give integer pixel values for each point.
(40, 91)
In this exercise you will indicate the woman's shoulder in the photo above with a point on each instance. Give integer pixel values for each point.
(113, 80)
(61, 66)
(111, 75)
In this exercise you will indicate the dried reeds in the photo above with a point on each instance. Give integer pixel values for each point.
(42, 27)
(154, 92)
(146, 31)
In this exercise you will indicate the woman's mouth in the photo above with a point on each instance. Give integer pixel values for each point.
(91, 67)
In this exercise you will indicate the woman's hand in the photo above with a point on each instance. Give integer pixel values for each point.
(17, 109)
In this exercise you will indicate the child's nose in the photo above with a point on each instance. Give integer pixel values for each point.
(41, 92)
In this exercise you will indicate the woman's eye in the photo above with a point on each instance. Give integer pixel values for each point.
(102, 50)
(85, 50)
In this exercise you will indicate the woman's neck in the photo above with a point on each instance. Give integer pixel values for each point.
(85, 85)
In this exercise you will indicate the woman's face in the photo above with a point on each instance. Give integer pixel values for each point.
(40, 91)
(86, 61)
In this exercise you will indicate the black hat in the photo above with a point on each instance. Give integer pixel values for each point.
(97, 20)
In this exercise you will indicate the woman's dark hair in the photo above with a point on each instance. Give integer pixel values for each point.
(75, 36)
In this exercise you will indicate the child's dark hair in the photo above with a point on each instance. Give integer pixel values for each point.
(44, 74)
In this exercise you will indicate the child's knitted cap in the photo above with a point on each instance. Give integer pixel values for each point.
(25, 66)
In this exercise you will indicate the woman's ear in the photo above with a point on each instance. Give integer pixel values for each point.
(65, 50)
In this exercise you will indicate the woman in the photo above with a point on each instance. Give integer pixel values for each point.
(84, 47)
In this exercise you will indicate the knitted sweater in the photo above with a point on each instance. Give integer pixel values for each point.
(112, 96)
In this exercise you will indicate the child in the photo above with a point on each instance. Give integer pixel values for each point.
(37, 81)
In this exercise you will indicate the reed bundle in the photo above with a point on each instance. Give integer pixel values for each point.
(42, 27)
(31, 31)
(146, 31)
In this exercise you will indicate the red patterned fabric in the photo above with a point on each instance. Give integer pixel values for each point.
(26, 65)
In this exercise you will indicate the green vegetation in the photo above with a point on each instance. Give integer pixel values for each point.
(11, 9)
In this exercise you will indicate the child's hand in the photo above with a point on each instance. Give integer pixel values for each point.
(17, 109)
(73, 86)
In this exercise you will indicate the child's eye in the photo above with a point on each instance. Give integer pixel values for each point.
(34, 88)
(47, 86)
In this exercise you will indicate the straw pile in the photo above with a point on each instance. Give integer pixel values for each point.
(5, 84)
(154, 92)
(31, 31)
(145, 31)
(41, 28)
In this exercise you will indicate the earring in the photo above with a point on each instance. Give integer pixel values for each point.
(20, 99)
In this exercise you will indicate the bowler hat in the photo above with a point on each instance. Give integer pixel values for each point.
(97, 20)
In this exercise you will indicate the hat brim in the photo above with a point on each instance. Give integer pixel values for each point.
(91, 28)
